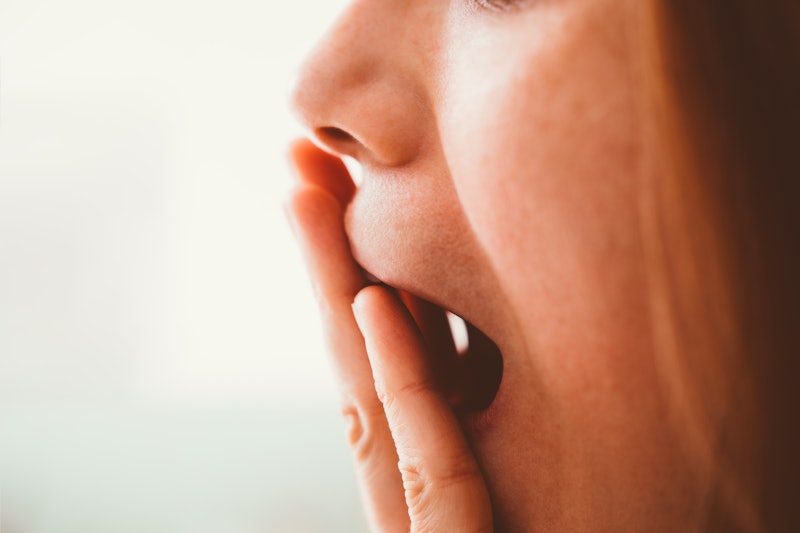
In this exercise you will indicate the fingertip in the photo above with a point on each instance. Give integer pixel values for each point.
(301, 147)
(297, 153)
(311, 164)
(364, 300)
(375, 307)
(294, 145)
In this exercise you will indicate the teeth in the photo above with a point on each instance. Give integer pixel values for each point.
(458, 329)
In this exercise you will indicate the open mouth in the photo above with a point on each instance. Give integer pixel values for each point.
(478, 372)
(467, 364)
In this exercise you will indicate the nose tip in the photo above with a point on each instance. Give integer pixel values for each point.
(313, 100)
(302, 97)
(358, 93)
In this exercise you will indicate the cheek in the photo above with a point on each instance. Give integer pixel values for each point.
(545, 162)
(553, 180)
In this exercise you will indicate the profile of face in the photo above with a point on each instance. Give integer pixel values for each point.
(500, 143)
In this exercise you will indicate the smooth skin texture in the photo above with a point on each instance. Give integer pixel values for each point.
(501, 155)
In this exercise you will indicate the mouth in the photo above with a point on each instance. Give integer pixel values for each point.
(467, 364)
(408, 232)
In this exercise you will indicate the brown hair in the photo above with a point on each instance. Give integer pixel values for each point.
(721, 212)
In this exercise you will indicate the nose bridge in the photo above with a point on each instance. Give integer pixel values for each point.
(363, 90)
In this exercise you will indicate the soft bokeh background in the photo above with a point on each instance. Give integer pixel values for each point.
(161, 367)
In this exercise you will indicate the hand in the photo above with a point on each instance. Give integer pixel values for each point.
(390, 352)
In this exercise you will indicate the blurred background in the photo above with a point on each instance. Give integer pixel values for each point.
(161, 367)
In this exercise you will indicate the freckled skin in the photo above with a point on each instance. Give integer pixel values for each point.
(501, 155)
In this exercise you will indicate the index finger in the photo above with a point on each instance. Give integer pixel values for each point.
(444, 487)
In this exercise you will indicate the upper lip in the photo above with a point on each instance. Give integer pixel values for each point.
(407, 229)
(449, 270)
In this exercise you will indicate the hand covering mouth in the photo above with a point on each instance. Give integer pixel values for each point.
(466, 363)
(408, 229)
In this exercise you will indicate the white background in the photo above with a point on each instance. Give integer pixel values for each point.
(161, 367)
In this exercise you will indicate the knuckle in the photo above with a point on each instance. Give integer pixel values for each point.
(363, 425)
(427, 489)
(389, 398)
(415, 484)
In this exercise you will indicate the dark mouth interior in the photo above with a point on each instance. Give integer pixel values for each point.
(479, 368)
(467, 364)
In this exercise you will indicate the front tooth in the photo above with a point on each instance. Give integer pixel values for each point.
(458, 328)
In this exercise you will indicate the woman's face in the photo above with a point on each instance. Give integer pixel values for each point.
(501, 152)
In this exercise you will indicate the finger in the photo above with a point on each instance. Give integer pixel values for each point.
(317, 218)
(433, 324)
(316, 167)
(441, 348)
(444, 488)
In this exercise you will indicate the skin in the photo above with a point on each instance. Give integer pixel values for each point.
(502, 159)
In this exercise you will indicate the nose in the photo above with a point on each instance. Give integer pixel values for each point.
(363, 91)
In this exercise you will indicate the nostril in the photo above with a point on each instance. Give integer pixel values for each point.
(340, 142)
(334, 135)
(385, 150)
